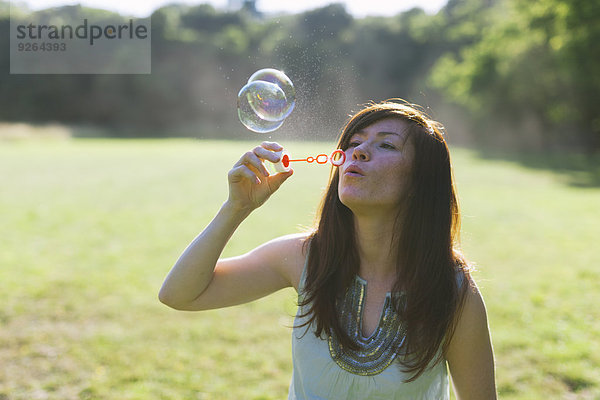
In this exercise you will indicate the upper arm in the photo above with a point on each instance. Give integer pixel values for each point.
(266, 269)
(470, 356)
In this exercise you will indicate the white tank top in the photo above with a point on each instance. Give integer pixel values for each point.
(322, 371)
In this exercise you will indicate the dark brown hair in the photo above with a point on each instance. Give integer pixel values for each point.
(426, 237)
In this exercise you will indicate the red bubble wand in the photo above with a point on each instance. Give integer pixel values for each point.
(337, 158)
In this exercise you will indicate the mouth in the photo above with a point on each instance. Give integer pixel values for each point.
(354, 170)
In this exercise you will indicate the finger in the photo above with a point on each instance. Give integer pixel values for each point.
(254, 162)
(241, 172)
(263, 172)
(265, 154)
(275, 181)
(274, 146)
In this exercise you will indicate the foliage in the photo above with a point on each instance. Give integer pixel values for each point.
(535, 64)
(524, 73)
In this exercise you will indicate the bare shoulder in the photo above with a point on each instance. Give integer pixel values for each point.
(472, 317)
(474, 306)
(470, 355)
(287, 254)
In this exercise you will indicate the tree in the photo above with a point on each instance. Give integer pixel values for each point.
(532, 68)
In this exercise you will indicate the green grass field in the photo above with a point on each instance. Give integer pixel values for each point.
(89, 229)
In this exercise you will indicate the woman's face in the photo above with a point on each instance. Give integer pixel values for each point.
(376, 174)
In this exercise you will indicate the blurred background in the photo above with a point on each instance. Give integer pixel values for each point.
(508, 74)
(104, 179)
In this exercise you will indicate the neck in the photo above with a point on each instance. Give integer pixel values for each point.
(376, 250)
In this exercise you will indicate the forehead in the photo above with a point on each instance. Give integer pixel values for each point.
(385, 127)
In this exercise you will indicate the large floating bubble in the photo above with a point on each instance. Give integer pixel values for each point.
(280, 79)
(257, 96)
(266, 100)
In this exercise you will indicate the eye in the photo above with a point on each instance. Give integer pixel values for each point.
(354, 144)
(387, 145)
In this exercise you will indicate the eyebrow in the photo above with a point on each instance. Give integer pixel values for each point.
(382, 133)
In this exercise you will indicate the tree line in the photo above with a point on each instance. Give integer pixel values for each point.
(509, 73)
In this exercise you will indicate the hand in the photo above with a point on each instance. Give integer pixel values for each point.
(250, 183)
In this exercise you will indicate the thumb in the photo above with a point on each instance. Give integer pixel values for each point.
(276, 180)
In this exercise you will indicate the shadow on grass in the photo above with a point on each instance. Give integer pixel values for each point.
(579, 170)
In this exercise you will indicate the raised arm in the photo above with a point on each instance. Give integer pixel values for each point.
(199, 280)
(470, 356)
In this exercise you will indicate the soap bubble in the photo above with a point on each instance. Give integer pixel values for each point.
(251, 99)
(266, 100)
(280, 79)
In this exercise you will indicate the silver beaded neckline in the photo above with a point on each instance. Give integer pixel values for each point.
(376, 352)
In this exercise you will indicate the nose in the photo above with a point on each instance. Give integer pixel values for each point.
(360, 153)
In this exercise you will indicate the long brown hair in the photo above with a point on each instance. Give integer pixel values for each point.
(426, 237)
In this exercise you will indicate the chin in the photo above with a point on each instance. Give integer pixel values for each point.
(366, 203)
(354, 202)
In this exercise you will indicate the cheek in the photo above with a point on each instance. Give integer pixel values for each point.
(396, 166)
(398, 178)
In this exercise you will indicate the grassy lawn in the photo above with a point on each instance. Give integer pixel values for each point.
(89, 229)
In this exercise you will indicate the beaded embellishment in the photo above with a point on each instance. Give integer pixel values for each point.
(374, 353)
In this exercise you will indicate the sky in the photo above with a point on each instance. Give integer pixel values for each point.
(358, 8)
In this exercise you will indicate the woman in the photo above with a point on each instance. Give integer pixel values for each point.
(385, 298)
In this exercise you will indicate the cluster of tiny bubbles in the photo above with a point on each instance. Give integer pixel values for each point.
(266, 100)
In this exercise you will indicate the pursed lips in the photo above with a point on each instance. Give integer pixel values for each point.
(354, 170)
